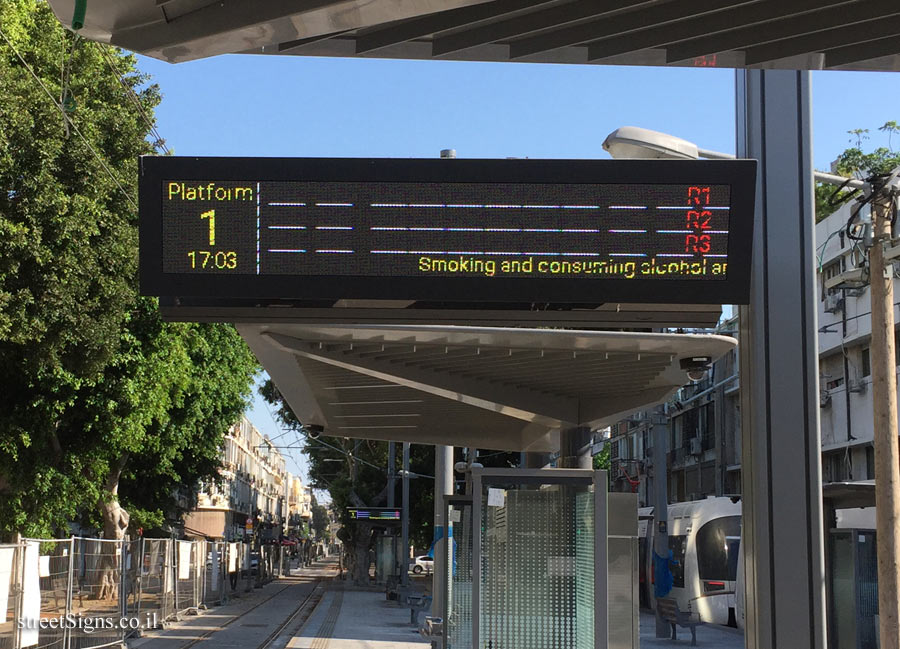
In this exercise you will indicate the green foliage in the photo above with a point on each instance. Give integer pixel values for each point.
(320, 520)
(855, 163)
(99, 394)
(601, 460)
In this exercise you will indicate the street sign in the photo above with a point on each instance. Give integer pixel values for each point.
(484, 231)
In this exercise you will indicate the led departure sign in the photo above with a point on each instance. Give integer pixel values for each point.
(375, 513)
(492, 230)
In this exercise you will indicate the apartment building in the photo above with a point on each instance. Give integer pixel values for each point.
(703, 424)
(252, 494)
(700, 428)
(300, 501)
(845, 370)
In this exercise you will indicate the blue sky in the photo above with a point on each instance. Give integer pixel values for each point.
(294, 106)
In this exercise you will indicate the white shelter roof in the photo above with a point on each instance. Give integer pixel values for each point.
(801, 34)
(501, 388)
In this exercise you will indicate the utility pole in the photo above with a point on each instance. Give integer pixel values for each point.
(884, 403)
(443, 485)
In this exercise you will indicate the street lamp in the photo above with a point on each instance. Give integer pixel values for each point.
(634, 142)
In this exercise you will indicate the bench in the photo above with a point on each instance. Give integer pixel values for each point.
(668, 610)
(417, 604)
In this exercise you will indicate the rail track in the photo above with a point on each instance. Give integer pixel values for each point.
(296, 617)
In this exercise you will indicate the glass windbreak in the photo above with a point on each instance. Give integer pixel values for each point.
(537, 567)
(718, 542)
(459, 585)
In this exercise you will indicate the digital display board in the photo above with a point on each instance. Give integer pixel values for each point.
(489, 230)
(375, 513)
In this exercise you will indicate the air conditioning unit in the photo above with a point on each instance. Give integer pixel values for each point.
(855, 278)
(858, 386)
(696, 446)
(834, 303)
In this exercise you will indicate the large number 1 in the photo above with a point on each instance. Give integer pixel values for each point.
(211, 215)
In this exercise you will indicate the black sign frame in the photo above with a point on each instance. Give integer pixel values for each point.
(225, 288)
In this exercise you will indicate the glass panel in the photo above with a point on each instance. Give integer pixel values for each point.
(535, 569)
(843, 610)
(584, 570)
(459, 618)
(867, 589)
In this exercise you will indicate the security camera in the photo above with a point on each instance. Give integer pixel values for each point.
(314, 430)
(696, 367)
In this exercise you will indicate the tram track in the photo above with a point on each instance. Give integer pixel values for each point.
(296, 617)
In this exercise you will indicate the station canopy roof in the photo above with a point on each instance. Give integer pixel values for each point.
(800, 34)
(489, 387)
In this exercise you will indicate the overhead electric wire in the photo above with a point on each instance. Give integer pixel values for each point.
(71, 123)
(132, 95)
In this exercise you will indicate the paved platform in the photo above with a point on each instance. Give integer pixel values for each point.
(709, 636)
(349, 618)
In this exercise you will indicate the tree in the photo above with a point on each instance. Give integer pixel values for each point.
(103, 404)
(854, 163)
(601, 460)
(320, 520)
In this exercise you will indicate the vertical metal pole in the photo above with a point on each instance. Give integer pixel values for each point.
(574, 448)
(404, 521)
(174, 572)
(443, 485)
(884, 403)
(392, 457)
(123, 581)
(139, 578)
(781, 458)
(70, 588)
(391, 493)
(661, 506)
(18, 585)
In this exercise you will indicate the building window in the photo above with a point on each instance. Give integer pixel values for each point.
(870, 462)
(865, 364)
(832, 270)
(708, 426)
(835, 467)
(834, 383)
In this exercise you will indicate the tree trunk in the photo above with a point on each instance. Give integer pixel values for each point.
(115, 522)
(115, 519)
(362, 539)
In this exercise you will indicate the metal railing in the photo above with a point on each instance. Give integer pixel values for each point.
(84, 593)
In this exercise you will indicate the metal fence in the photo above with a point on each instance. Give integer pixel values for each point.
(83, 593)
